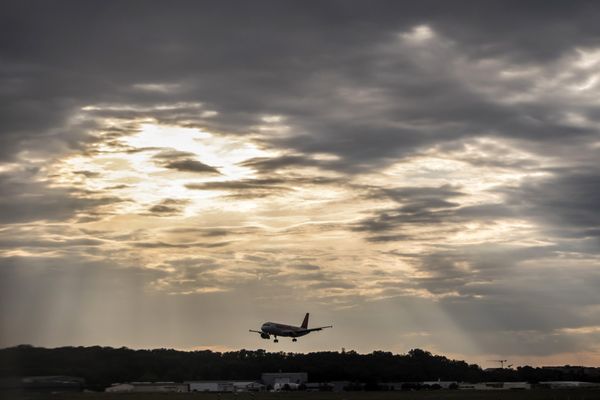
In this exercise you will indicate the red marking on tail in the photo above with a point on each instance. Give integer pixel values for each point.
(305, 322)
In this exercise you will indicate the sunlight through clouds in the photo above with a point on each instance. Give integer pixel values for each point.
(131, 168)
(425, 174)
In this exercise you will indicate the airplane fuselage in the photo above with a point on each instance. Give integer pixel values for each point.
(275, 329)
(269, 329)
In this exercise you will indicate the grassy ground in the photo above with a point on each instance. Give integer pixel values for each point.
(575, 394)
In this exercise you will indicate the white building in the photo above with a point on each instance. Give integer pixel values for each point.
(120, 387)
(441, 384)
(271, 378)
(148, 387)
(279, 386)
(225, 386)
(210, 386)
(248, 386)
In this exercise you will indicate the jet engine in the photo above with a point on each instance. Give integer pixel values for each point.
(265, 336)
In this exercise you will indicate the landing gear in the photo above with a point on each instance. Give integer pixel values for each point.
(276, 340)
(294, 340)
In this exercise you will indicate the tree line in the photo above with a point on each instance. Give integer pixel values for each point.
(101, 366)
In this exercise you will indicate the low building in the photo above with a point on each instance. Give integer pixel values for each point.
(440, 384)
(120, 388)
(427, 385)
(225, 386)
(248, 386)
(569, 385)
(145, 387)
(517, 385)
(495, 386)
(284, 387)
(271, 378)
(210, 386)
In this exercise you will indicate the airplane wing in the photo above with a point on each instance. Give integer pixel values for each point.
(318, 329)
(252, 330)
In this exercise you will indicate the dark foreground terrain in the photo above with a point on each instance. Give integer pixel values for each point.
(575, 394)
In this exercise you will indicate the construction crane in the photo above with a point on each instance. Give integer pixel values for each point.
(501, 362)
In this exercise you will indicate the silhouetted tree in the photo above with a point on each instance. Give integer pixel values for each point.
(101, 366)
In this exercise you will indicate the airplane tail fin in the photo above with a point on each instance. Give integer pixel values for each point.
(305, 322)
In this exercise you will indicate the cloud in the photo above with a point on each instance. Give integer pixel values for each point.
(263, 187)
(268, 165)
(182, 161)
(305, 267)
(246, 188)
(568, 199)
(419, 206)
(404, 160)
(26, 198)
(168, 207)
(189, 165)
(171, 154)
(369, 93)
(159, 244)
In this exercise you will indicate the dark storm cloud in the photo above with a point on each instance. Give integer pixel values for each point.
(263, 187)
(268, 165)
(378, 102)
(569, 200)
(421, 214)
(419, 206)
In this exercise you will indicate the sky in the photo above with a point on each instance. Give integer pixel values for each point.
(420, 174)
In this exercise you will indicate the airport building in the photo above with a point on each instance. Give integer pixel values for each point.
(270, 379)
(145, 387)
(419, 385)
(569, 385)
(495, 386)
(225, 386)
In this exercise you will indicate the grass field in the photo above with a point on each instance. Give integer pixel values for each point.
(575, 394)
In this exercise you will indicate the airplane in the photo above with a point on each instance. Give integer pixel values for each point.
(271, 328)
